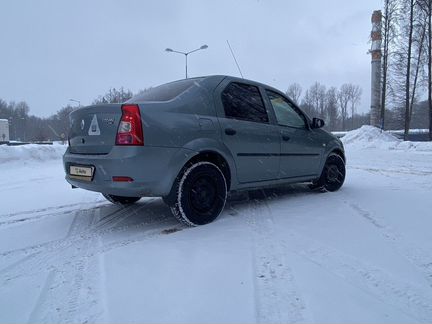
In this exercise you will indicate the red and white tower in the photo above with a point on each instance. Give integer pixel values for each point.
(376, 69)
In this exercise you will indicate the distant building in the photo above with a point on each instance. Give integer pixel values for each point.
(4, 131)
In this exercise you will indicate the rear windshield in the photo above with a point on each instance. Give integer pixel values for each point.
(164, 92)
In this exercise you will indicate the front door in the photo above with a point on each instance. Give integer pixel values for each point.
(301, 148)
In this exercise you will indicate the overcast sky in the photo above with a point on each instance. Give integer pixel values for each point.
(52, 51)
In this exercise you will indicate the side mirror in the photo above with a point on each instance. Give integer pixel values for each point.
(317, 123)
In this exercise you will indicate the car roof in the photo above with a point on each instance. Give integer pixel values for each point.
(219, 78)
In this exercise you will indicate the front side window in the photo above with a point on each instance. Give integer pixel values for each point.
(286, 113)
(244, 102)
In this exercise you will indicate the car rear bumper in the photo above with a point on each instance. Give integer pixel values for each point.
(153, 170)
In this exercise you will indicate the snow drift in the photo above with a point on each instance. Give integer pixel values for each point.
(369, 137)
(31, 152)
(372, 137)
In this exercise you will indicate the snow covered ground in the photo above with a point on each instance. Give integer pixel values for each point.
(363, 254)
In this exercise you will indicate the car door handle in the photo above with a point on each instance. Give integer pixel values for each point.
(230, 131)
(286, 138)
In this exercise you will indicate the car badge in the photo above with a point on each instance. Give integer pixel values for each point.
(82, 124)
(94, 127)
(109, 121)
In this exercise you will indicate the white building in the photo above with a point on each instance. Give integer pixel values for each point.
(4, 131)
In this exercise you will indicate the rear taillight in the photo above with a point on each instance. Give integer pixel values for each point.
(130, 130)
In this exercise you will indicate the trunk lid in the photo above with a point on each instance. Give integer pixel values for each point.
(94, 129)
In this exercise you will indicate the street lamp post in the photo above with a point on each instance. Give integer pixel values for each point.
(77, 101)
(186, 55)
(14, 129)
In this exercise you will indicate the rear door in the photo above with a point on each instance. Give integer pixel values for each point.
(94, 128)
(247, 132)
(301, 147)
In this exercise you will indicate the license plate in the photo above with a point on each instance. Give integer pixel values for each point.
(80, 172)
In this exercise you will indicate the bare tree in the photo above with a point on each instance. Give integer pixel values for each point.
(410, 26)
(343, 96)
(426, 6)
(331, 108)
(429, 63)
(389, 36)
(114, 96)
(307, 104)
(418, 47)
(318, 93)
(354, 95)
(409, 59)
(294, 92)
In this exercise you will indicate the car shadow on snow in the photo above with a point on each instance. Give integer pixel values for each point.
(153, 214)
(147, 214)
(244, 199)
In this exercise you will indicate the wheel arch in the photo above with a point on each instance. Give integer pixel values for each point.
(206, 155)
(339, 152)
(217, 159)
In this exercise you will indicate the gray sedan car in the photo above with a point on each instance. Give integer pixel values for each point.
(194, 140)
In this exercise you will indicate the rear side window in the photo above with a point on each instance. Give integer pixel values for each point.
(244, 102)
(164, 92)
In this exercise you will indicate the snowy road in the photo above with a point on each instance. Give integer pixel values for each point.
(363, 254)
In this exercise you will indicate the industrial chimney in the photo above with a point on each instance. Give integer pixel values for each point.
(376, 69)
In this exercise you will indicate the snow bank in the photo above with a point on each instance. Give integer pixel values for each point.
(32, 152)
(369, 137)
(415, 146)
(372, 137)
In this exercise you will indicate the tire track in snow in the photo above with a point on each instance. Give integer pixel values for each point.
(33, 211)
(396, 174)
(277, 297)
(387, 172)
(73, 292)
(98, 228)
(45, 256)
(68, 293)
(417, 256)
(37, 214)
(415, 301)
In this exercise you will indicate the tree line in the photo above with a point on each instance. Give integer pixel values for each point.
(407, 63)
(337, 106)
(26, 127)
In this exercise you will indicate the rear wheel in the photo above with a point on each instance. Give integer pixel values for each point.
(120, 200)
(200, 194)
(332, 176)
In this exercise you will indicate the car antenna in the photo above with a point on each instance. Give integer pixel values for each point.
(235, 60)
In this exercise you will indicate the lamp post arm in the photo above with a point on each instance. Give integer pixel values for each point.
(179, 52)
(194, 50)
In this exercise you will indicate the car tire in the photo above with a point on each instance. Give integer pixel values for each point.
(332, 176)
(120, 200)
(200, 194)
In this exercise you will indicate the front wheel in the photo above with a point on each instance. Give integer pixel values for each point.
(120, 200)
(332, 176)
(200, 194)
